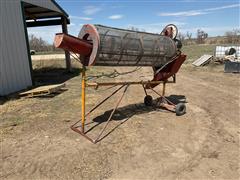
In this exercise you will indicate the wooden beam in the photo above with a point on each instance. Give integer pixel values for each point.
(30, 15)
(52, 22)
(67, 54)
(38, 12)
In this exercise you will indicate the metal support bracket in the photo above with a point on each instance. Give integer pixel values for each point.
(81, 130)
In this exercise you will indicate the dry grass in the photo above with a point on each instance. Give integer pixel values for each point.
(196, 51)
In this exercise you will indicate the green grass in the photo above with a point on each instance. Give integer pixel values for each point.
(194, 52)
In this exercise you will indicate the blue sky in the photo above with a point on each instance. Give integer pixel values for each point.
(213, 16)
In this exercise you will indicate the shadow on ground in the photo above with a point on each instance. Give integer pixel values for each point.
(124, 113)
(177, 99)
(46, 76)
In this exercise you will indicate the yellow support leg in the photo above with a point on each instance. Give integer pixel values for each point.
(83, 96)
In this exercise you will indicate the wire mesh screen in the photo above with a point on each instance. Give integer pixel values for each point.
(120, 47)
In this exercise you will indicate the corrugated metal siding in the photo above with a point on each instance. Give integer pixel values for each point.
(45, 4)
(14, 65)
(15, 72)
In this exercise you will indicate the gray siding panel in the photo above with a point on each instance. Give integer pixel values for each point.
(4, 87)
(14, 65)
(15, 72)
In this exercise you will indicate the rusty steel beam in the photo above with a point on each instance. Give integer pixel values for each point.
(96, 84)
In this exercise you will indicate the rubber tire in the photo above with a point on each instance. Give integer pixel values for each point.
(148, 100)
(180, 109)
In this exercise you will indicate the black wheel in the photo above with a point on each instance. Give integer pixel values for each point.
(148, 100)
(180, 109)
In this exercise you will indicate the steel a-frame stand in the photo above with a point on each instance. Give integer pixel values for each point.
(164, 102)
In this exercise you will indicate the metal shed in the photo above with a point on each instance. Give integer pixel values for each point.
(15, 59)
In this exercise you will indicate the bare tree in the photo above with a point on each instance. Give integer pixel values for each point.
(38, 44)
(201, 36)
(181, 37)
(189, 35)
(233, 36)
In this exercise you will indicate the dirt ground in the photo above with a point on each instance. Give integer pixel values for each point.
(143, 143)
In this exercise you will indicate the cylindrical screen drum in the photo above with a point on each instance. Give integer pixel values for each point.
(120, 47)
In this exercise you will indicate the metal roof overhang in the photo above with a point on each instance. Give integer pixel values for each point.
(38, 16)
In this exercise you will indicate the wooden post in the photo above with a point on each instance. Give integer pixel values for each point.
(67, 54)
